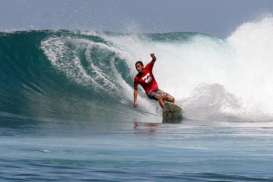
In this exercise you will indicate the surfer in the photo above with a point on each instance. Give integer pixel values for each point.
(147, 80)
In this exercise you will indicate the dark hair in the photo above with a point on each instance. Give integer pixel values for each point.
(139, 62)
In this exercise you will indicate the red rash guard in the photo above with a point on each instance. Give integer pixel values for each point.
(146, 78)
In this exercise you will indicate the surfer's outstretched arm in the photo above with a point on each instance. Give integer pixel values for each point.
(153, 57)
(150, 65)
(135, 97)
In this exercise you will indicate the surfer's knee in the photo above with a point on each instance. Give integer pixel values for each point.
(172, 99)
(169, 98)
(160, 99)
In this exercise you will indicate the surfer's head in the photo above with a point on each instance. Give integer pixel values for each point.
(139, 66)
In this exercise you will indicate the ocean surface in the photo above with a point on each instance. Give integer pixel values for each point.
(66, 106)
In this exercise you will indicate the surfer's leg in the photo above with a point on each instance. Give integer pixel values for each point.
(159, 96)
(167, 97)
(161, 102)
(161, 99)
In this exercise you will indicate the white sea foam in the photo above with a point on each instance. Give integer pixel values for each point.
(210, 77)
(233, 76)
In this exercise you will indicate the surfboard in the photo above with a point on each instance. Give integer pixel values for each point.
(171, 113)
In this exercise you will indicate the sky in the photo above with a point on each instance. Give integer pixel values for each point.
(214, 17)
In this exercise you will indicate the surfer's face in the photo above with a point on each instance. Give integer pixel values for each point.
(139, 67)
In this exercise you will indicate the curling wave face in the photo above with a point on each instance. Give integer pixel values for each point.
(88, 74)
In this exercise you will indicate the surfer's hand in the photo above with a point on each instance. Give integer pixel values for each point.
(152, 55)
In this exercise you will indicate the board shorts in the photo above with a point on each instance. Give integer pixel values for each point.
(157, 93)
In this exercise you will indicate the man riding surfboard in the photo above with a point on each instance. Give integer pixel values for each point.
(146, 79)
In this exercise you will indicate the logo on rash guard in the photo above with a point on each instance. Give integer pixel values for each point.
(147, 78)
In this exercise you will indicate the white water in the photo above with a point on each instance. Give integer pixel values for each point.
(212, 77)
